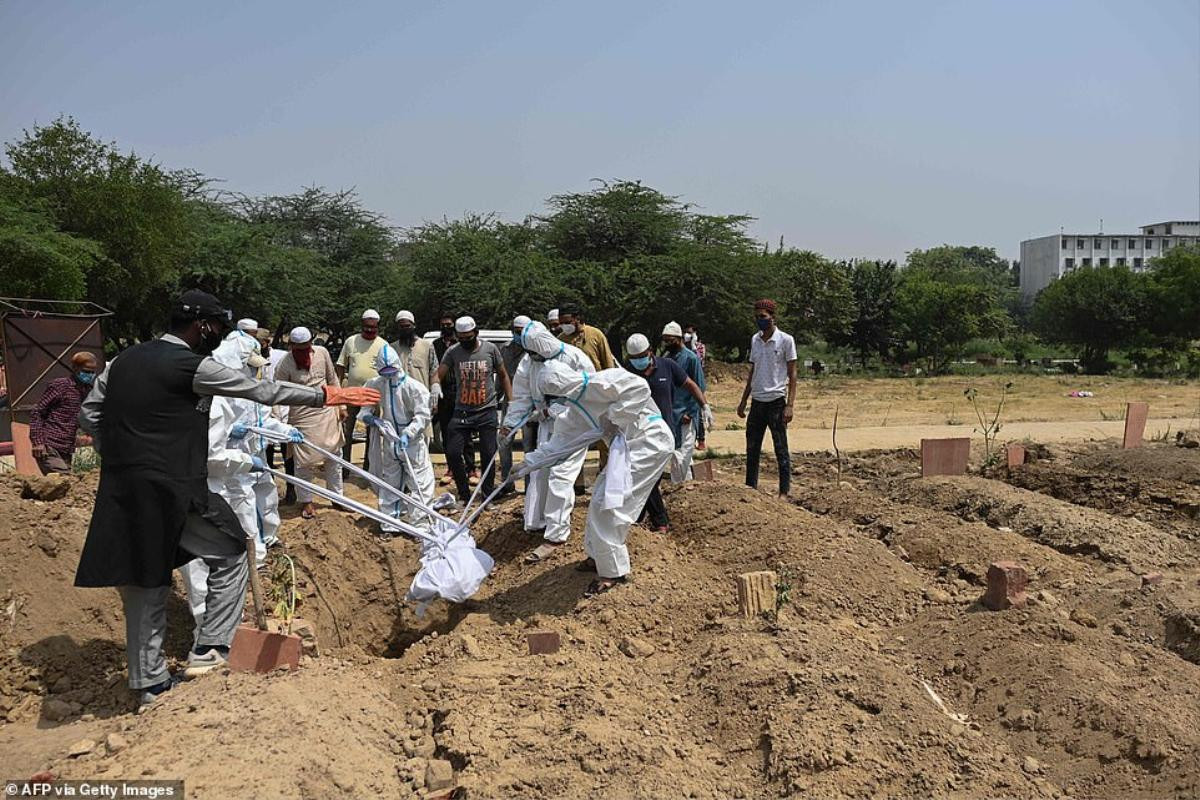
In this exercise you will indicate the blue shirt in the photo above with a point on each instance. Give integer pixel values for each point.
(665, 375)
(685, 402)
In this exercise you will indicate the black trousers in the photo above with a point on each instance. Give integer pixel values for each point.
(444, 412)
(656, 508)
(761, 417)
(458, 432)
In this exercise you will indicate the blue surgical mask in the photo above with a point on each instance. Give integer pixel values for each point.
(640, 363)
(763, 324)
(86, 378)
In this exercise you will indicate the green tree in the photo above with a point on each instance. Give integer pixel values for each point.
(940, 317)
(872, 329)
(816, 294)
(134, 208)
(1094, 309)
(1173, 293)
(36, 259)
(613, 222)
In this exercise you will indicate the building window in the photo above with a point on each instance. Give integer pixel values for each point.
(1104, 262)
(1096, 244)
(1064, 243)
(1166, 243)
(1069, 263)
(1132, 243)
(1120, 262)
(1149, 244)
(1116, 243)
(1137, 263)
(1087, 262)
(1079, 244)
(1149, 231)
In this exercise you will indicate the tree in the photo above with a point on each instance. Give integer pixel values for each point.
(37, 260)
(872, 328)
(1095, 309)
(134, 208)
(941, 317)
(613, 222)
(815, 292)
(351, 259)
(1174, 295)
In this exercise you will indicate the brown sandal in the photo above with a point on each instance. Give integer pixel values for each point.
(602, 585)
(308, 512)
(542, 552)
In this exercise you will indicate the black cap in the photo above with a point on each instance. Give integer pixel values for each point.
(200, 305)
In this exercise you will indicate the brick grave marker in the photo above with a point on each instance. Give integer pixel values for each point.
(1135, 424)
(944, 456)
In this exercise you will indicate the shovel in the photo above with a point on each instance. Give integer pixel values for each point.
(254, 648)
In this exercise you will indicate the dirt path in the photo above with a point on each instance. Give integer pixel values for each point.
(897, 436)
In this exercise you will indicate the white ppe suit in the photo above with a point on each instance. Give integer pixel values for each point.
(549, 493)
(618, 403)
(230, 467)
(403, 411)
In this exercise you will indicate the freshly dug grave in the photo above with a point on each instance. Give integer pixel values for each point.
(1157, 483)
(880, 675)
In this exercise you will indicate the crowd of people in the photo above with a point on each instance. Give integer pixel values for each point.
(189, 427)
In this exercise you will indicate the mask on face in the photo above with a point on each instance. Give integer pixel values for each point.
(85, 377)
(689, 337)
(447, 327)
(567, 329)
(516, 337)
(210, 337)
(640, 363)
(407, 336)
(370, 333)
(763, 323)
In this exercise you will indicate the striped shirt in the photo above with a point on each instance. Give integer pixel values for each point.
(54, 420)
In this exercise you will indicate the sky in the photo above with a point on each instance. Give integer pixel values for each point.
(856, 129)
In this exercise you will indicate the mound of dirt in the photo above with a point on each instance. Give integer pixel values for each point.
(724, 371)
(879, 674)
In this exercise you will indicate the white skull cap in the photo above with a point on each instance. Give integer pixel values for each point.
(521, 321)
(637, 344)
(552, 316)
(300, 335)
(248, 325)
(464, 325)
(406, 316)
(672, 329)
(370, 313)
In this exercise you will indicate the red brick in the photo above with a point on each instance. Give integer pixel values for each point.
(542, 642)
(1006, 586)
(263, 651)
(1016, 455)
(1135, 424)
(703, 470)
(1152, 579)
(944, 456)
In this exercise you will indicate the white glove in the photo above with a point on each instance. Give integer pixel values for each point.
(706, 414)
(435, 396)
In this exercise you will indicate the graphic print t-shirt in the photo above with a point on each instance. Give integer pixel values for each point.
(475, 376)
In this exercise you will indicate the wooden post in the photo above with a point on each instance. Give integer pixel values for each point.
(756, 592)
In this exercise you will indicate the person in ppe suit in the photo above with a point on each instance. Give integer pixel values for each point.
(396, 427)
(616, 404)
(550, 492)
(235, 463)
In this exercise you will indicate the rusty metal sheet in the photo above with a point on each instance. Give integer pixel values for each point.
(38, 349)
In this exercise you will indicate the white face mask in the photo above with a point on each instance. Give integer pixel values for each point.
(687, 337)
(567, 329)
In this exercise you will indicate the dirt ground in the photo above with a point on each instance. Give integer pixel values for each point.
(880, 675)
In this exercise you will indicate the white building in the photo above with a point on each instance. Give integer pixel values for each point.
(1050, 257)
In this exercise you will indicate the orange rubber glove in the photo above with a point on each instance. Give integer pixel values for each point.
(350, 396)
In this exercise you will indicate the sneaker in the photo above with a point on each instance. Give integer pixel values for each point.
(198, 665)
(152, 693)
